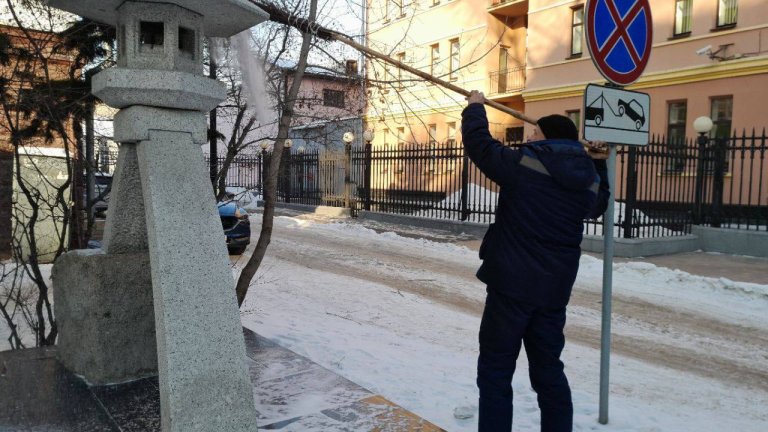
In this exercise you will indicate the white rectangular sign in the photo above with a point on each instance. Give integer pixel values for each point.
(616, 116)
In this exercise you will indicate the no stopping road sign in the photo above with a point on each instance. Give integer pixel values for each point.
(619, 36)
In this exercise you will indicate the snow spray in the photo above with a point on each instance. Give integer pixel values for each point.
(253, 76)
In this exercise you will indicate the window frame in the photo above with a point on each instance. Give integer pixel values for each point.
(450, 134)
(719, 132)
(684, 30)
(574, 10)
(434, 58)
(674, 164)
(455, 59)
(329, 96)
(725, 25)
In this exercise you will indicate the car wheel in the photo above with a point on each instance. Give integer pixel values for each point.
(638, 124)
(621, 110)
(238, 250)
(598, 120)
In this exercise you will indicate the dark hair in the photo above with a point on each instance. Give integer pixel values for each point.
(556, 126)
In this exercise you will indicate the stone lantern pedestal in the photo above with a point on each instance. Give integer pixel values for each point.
(160, 292)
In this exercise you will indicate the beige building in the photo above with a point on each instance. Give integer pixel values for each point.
(531, 55)
(708, 58)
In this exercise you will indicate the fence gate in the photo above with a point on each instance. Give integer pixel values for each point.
(332, 174)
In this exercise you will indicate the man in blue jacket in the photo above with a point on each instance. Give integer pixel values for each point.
(530, 258)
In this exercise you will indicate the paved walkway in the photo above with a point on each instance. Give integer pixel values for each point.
(291, 393)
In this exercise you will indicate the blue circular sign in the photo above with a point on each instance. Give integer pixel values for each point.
(619, 36)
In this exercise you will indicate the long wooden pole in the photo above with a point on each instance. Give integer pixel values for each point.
(280, 16)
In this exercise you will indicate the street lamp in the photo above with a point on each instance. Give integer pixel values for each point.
(368, 135)
(703, 125)
(348, 137)
(288, 143)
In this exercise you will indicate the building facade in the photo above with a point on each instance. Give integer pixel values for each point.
(708, 58)
(329, 103)
(18, 71)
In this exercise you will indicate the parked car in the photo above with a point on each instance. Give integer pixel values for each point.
(237, 226)
(101, 184)
(103, 181)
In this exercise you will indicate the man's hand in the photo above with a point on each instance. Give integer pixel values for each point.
(475, 97)
(597, 149)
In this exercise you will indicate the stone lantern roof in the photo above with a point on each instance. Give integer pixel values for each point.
(221, 18)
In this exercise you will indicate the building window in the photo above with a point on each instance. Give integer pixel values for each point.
(577, 30)
(683, 17)
(435, 2)
(387, 10)
(722, 111)
(333, 98)
(727, 11)
(434, 58)
(455, 60)
(400, 136)
(432, 129)
(451, 141)
(513, 135)
(401, 8)
(503, 69)
(575, 116)
(676, 117)
(385, 138)
(350, 67)
(401, 58)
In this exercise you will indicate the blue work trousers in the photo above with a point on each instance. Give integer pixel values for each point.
(506, 325)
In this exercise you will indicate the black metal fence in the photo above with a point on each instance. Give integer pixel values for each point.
(661, 189)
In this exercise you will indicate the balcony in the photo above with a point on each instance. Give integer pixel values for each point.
(503, 82)
(509, 8)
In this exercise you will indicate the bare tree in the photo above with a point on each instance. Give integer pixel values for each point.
(45, 100)
(270, 190)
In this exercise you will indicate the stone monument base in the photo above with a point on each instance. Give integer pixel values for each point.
(105, 314)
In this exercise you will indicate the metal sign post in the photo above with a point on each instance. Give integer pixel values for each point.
(605, 328)
(619, 35)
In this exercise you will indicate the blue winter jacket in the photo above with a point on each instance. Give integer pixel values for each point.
(547, 188)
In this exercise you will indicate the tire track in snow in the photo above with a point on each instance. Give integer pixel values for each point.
(643, 330)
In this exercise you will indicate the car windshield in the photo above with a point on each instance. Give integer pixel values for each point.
(637, 107)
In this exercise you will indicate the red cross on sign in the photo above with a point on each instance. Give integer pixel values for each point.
(619, 37)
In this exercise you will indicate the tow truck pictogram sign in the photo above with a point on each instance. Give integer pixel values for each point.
(615, 115)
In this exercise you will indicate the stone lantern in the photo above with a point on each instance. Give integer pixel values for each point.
(159, 296)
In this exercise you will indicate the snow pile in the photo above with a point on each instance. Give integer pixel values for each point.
(485, 200)
(478, 199)
(649, 227)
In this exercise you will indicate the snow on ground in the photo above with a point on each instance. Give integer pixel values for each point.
(422, 354)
